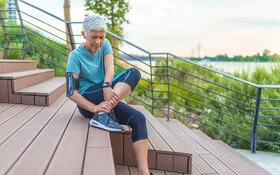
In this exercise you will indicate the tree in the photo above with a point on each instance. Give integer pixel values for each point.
(2, 7)
(266, 52)
(114, 11)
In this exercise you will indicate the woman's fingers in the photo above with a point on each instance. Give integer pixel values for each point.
(106, 106)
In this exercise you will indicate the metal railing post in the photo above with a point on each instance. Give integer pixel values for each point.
(152, 86)
(7, 44)
(256, 116)
(23, 31)
(168, 81)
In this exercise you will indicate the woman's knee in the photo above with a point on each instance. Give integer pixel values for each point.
(136, 73)
(133, 77)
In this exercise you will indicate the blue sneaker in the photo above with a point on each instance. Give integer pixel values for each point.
(104, 121)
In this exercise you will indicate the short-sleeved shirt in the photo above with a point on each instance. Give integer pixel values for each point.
(89, 66)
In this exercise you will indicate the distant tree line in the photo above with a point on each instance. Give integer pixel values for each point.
(266, 56)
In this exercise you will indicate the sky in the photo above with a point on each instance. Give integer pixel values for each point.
(232, 27)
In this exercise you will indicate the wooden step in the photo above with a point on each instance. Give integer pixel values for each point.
(231, 152)
(128, 170)
(177, 160)
(223, 163)
(202, 135)
(7, 66)
(99, 155)
(123, 151)
(28, 78)
(241, 158)
(4, 91)
(201, 156)
(165, 153)
(11, 82)
(44, 93)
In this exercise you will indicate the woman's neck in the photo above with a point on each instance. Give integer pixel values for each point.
(88, 48)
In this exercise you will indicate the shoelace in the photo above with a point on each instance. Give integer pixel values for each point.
(111, 116)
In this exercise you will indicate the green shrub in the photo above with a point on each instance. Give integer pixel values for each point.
(217, 101)
(47, 52)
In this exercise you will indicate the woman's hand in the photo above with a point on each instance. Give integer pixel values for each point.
(110, 96)
(102, 107)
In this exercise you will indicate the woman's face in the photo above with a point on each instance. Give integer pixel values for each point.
(94, 40)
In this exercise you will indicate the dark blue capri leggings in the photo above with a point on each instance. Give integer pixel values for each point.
(125, 114)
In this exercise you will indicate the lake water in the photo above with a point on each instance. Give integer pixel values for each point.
(232, 67)
(229, 67)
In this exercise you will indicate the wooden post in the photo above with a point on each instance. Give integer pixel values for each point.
(67, 17)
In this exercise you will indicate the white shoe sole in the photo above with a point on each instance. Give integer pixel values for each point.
(94, 123)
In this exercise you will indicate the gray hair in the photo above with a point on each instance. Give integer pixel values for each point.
(93, 22)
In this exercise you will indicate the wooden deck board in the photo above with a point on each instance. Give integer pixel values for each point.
(122, 170)
(98, 158)
(5, 106)
(172, 173)
(17, 122)
(134, 171)
(195, 171)
(98, 138)
(11, 112)
(19, 142)
(69, 156)
(45, 144)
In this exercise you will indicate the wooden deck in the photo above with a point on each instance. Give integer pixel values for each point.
(58, 140)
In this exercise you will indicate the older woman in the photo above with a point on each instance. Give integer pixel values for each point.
(92, 85)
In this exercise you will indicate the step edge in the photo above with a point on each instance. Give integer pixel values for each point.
(23, 76)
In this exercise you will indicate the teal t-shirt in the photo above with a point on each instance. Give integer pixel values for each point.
(89, 66)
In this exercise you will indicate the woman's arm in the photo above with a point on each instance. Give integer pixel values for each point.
(108, 92)
(84, 103)
(109, 68)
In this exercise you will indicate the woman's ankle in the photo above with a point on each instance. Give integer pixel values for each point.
(143, 171)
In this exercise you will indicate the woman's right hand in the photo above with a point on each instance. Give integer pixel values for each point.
(103, 107)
